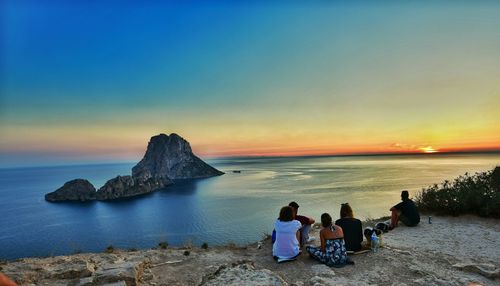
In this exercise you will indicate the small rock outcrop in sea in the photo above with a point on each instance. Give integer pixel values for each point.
(167, 158)
(172, 157)
(127, 186)
(74, 190)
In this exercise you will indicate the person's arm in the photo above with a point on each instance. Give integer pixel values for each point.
(5, 281)
(360, 232)
(311, 220)
(397, 207)
(322, 238)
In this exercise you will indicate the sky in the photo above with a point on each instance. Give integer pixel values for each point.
(82, 81)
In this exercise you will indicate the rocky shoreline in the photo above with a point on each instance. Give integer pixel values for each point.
(451, 251)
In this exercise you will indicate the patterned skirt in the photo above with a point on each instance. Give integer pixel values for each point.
(335, 254)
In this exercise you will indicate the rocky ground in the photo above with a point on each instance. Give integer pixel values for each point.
(451, 251)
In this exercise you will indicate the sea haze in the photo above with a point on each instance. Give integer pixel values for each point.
(235, 207)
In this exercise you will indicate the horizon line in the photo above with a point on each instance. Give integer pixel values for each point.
(488, 151)
(371, 154)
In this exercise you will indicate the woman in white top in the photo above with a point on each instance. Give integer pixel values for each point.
(287, 228)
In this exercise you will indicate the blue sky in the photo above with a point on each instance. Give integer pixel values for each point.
(91, 81)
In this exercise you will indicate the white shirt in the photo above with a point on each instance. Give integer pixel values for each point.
(286, 244)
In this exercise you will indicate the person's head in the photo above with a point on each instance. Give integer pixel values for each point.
(286, 214)
(404, 195)
(346, 211)
(326, 220)
(295, 207)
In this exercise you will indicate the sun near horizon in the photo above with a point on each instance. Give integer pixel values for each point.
(428, 149)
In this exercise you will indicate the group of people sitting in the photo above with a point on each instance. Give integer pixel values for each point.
(291, 232)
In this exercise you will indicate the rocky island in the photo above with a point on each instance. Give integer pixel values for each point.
(172, 157)
(74, 190)
(167, 158)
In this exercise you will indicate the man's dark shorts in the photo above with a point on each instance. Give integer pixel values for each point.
(406, 221)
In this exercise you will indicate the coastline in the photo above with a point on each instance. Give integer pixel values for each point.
(318, 184)
(450, 251)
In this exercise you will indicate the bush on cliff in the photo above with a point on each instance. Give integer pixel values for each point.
(468, 194)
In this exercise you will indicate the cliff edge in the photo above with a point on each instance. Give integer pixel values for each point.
(450, 251)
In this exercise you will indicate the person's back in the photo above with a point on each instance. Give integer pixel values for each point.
(409, 212)
(286, 245)
(353, 232)
(406, 211)
(352, 228)
(332, 251)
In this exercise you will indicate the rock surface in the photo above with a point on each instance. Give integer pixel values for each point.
(128, 272)
(450, 251)
(242, 274)
(74, 190)
(172, 157)
(127, 186)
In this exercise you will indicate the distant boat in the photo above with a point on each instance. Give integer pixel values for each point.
(236, 171)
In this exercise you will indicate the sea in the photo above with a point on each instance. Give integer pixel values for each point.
(238, 207)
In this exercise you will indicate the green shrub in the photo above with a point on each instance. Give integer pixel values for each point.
(468, 194)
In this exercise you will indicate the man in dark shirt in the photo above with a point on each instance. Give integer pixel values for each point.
(405, 211)
(306, 224)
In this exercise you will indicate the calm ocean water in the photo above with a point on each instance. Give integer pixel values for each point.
(235, 207)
